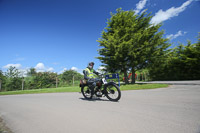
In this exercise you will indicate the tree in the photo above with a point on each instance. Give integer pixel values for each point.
(129, 42)
(31, 72)
(180, 63)
(12, 72)
(13, 80)
(189, 61)
(44, 80)
(2, 81)
(69, 74)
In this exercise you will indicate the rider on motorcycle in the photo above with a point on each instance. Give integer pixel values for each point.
(90, 77)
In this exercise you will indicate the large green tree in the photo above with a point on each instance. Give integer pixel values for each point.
(180, 63)
(129, 42)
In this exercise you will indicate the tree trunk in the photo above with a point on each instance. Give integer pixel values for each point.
(133, 76)
(125, 77)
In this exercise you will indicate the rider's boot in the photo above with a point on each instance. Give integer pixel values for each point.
(92, 91)
(92, 88)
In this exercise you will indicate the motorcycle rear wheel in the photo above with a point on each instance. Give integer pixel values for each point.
(86, 91)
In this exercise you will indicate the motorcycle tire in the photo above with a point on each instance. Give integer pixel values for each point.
(86, 91)
(112, 92)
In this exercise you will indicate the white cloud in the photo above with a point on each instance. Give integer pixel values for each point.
(173, 36)
(23, 71)
(78, 70)
(74, 68)
(13, 65)
(100, 69)
(50, 69)
(161, 15)
(64, 69)
(140, 5)
(40, 67)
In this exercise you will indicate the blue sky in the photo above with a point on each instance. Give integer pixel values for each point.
(58, 35)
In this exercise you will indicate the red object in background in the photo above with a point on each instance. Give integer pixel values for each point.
(130, 74)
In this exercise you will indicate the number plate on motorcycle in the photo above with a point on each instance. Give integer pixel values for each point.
(104, 81)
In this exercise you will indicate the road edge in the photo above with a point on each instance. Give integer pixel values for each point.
(3, 127)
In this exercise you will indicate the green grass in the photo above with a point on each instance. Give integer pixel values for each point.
(46, 90)
(142, 86)
(78, 89)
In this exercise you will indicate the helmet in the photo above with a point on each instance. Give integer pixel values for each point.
(90, 65)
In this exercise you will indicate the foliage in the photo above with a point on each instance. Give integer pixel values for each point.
(181, 63)
(12, 79)
(129, 42)
(31, 72)
(43, 80)
(12, 72)
(14, 83)
(2, 80)
(70, 75)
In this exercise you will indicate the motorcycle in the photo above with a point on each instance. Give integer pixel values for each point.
(103, 88)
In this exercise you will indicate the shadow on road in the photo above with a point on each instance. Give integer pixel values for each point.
(94, 99)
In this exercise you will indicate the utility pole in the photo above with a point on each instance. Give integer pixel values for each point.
(22, 80)
(56, 81)
(73, 80)
(22, 83)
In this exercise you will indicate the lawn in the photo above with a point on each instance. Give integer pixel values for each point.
(78, 89)
(45, 90)
(142, 86)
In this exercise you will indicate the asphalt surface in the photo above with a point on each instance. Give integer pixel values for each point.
(175, 109)
(188, 82)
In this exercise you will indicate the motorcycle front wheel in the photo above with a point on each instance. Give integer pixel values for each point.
(86, 91)
(112, 92)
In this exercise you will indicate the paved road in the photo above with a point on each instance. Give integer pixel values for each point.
(166, 110)
(188, 82)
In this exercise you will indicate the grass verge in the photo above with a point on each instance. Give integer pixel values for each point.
(142, 86)
(46, 90)
(77, 89)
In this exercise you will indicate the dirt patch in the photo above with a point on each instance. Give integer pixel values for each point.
(3, 127)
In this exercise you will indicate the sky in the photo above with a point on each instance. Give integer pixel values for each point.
(59, 35)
